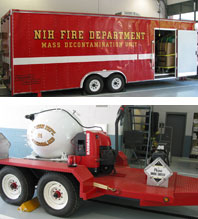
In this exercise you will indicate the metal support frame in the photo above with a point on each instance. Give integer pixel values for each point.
(133, 123)
(119, 117)
(169, 141)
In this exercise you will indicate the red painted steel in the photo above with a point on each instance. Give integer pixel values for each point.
(81, 173)
(93, 142)
(49, 34)
(128, 182)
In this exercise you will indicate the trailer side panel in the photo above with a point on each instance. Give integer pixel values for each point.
(55, 51)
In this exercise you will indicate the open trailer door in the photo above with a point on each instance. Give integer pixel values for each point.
(187, 53)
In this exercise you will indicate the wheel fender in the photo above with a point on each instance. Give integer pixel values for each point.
(103, 74)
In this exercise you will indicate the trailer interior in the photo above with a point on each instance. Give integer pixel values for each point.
(165, 50)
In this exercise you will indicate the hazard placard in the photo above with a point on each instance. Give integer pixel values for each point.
(158, 173)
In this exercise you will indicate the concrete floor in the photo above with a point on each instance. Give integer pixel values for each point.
(165, 88)
(96, 209)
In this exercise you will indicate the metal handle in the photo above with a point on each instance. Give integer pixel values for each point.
(120, 114)
(153, 55)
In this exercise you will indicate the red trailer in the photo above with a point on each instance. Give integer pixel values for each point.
(45, 51)
(94, 170)
(68, 184)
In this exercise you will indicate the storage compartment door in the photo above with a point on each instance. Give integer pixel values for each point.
(187, 53)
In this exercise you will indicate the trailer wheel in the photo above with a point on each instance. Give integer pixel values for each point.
(115, 83)
(106, 169)
(57, 195)
(94, 85)
(16, 186)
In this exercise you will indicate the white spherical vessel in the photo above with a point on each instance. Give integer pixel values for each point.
(51, 132)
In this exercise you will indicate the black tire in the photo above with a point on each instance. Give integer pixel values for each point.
(94, 85)
(106, 169)
(8, 185)
(115, 83)
(47, 201)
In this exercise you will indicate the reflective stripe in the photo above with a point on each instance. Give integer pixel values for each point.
(145, 56)
(72, 59)
(78, 59)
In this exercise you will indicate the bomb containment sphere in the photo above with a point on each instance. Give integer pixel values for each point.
(51, 132)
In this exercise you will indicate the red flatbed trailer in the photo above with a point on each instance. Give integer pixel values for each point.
(93, 170)
(46, 51)
(126, 182)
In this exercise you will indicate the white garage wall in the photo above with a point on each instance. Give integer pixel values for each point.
(13, 123)
(143, 7)
(14, 117)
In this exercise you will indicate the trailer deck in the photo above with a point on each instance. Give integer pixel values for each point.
(131, 183)
(125, 182)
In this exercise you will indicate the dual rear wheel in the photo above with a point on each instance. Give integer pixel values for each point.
(95, 84)
(56, 192)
